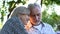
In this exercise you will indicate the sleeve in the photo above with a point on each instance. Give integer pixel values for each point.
(13, 27)
(3, 32)
(7, 29)
(49, 30)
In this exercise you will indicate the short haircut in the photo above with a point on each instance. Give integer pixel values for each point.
(31, 6)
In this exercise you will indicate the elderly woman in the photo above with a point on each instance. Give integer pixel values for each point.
(17, 20)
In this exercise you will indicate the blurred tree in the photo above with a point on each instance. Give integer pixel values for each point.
(2, 12)
(53, 18)
(50, 2)
(12, 4)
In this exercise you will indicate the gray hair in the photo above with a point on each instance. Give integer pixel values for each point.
(31, 6)
(19, 10)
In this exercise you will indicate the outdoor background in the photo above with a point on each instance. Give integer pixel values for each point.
(50, 10)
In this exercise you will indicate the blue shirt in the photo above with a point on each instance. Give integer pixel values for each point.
(13, 26)
(46, 29)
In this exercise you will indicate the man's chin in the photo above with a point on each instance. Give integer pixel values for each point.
(36, 23)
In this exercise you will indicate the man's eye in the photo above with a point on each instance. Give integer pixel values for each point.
(33, 15)
(38, 14)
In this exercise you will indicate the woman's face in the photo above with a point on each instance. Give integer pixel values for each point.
(24, 18)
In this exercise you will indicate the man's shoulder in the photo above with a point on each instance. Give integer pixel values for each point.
(44, 25)
(47, 25)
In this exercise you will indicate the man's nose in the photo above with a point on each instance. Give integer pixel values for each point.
(36, 17)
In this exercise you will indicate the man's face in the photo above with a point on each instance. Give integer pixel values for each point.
(35, 16)
(24, 18)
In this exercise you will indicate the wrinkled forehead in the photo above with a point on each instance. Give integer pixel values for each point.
(35, 10)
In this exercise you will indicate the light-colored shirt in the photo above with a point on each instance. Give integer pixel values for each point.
(46, 29)
(33, 31)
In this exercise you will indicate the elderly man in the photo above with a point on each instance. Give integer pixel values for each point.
(15, 24)
(36, 25)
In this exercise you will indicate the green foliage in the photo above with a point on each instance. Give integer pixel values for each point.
(1, 25)
(51, 19)
(50, 2)
(2, 16)
(12, 5)
(57, 2)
